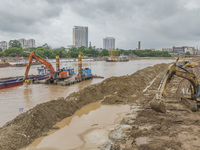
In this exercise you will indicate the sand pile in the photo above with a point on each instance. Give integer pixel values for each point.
(178, 129)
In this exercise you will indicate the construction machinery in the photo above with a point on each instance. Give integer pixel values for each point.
(80, 64)
(53, 76)
(185, 63)
(157, 103)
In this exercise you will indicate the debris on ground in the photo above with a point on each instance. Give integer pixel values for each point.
(177, 129)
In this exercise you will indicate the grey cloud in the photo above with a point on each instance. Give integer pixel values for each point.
(156, 23)
(26, 16)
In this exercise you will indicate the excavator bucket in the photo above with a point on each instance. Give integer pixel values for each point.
(158, 106)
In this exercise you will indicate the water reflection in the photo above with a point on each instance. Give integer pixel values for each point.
(27, 96)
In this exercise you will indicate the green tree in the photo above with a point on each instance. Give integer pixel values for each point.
(1, 54)
(187, 53)
(104, 52)
(73, 52)
(1, 50)
(15, 43)
(13, 51)
(53, 56)
(46, 46)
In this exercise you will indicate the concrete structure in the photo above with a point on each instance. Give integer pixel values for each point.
(139, 45)
(192, 50)
(23, 42)
(69, 47)
(167, 49)
(151, 49)
(80, 36)
(184, 49)
(109, 43)
(27, 43)
(90, 44)
(3, 45)
(30, 43)
(99, 49)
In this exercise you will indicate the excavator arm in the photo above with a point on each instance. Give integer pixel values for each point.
(157, 104)
(193, 80)
(40, 59)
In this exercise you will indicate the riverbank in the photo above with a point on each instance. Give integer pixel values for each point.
(146, 129)
(17, 63)
(36, 122)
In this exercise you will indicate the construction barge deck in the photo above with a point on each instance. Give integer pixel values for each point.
(67, 82)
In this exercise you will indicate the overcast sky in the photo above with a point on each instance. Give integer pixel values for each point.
(156, 23)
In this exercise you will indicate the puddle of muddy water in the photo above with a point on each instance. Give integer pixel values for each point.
(87, 129)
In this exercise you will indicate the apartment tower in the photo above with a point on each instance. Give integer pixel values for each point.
(109, 43)
(80, 36)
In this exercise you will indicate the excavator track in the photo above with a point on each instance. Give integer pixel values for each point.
(191, 104)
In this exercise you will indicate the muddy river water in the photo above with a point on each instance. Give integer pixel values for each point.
(87, 129)
(11, 99)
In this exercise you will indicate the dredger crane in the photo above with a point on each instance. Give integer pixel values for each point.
(157, 103)
(53, 74)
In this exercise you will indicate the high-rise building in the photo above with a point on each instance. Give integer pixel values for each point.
(80, 36)
(30, 43)
(109, 43)
(23, 42)
(27, 43)
(3, 45)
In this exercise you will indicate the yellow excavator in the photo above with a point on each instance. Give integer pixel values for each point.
(185, 63)
(157, 103)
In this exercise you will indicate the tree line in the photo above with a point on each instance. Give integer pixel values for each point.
(45, 51)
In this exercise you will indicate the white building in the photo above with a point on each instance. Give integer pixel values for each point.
(69, 47)
(27, 43)
(3, 45)
(109, 43)
(167, 49)
(184, 49)
(80, 36)
(23, 42)
(30, 43)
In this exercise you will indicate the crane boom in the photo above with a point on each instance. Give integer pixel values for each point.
(40, 59)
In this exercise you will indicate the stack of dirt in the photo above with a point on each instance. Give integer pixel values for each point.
(36, 122)
(178, 129)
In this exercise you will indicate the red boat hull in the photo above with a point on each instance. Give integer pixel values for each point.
(11, 85)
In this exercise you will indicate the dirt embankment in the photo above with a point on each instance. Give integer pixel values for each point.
(178, 129)
(36, 122)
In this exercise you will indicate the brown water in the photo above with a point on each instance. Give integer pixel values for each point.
(87, 129)
(11, 99)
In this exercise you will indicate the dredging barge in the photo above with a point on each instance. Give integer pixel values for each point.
(64, 76)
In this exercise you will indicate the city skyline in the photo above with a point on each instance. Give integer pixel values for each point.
(157, 23)
(30, 43)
